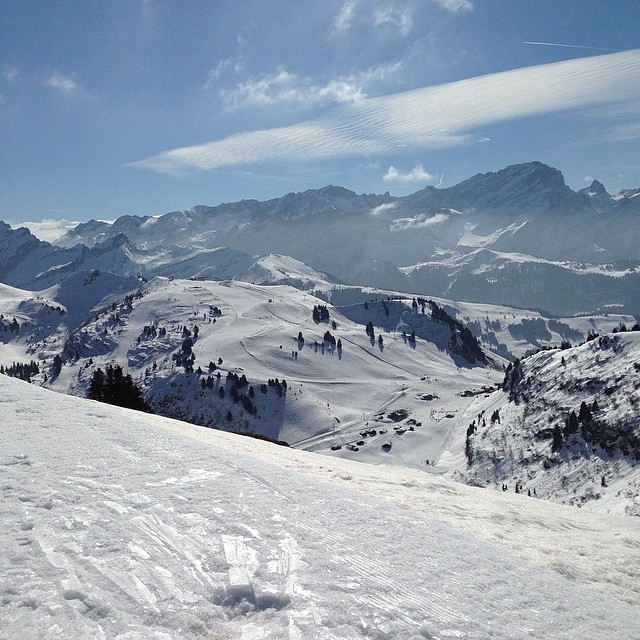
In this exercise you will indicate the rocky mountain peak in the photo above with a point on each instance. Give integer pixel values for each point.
(597, 187)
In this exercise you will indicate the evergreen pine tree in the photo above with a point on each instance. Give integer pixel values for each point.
(57, 365)
(572, 424)
(558, 442)
(96, 386)
(585, 413)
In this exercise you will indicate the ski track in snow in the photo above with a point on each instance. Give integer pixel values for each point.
(108, 534)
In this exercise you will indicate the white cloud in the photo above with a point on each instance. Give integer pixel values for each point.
(48, 230)
(343, 20)
(417, 174)
(620, 133)
(61, 83)
(377, 13)
(428, 118)
(216, 72)
(233, 63)
(390, 15)
(11, 74)
(384, 208)
(418, 222)
(455, 5)
(313, 140)
(283, 87)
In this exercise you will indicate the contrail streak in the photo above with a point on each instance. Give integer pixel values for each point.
(569, 46)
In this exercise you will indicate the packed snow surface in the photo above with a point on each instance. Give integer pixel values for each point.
(121, 524)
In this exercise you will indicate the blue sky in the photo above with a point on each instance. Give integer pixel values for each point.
(147, 106)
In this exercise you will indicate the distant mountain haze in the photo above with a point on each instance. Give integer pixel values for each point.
(519, 236)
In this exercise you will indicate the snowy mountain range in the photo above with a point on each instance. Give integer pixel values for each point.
(382, 378)
(519, 237)
(414, 334)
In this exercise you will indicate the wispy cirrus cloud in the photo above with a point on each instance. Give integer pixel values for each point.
(417, 174)
(427, 118)
(216, 73)
(400, 18)
(233, 63)
(397, 14)
(345, 17)
(624, 132)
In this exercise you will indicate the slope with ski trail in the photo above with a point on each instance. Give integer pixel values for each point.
(121, 524)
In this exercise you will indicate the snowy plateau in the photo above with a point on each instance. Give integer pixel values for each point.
(373, 417)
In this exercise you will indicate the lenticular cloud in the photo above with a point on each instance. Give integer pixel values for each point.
(427, 118)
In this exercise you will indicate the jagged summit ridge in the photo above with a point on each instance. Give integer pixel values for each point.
(527, 186)
(520, 220)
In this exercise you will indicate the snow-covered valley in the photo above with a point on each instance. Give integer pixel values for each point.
(259, 360)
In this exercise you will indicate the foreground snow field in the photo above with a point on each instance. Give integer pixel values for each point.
(120, 524)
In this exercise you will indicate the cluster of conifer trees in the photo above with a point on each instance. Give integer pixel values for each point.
(114, 387)
(21, 370)
(320, 313)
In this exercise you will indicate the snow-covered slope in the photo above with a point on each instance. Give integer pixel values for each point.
(281, 269)
(521, 280)
(509, 331)
(402, 402)
(120, 524)
(518, 332)
(27, 263)
(399, 402)
(35, 324)
(566, 426)
(182, 341)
